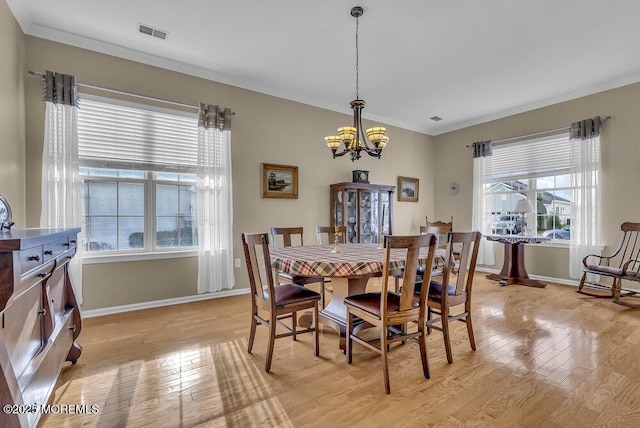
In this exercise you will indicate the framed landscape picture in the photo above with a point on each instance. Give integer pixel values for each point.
(279, 181)
(408, 189)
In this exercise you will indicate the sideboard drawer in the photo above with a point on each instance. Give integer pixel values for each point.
(53, 249)
(30, 258)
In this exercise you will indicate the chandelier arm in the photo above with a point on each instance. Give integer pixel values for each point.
(357, 123)
(344, 151)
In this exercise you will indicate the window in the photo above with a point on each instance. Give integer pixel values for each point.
(534, 170)
(137, 166)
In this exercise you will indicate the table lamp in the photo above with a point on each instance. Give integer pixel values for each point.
(523, 207)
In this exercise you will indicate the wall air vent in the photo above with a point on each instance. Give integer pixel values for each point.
(145, 29)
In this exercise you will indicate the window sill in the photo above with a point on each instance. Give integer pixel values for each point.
(553, 244)
(115, 258)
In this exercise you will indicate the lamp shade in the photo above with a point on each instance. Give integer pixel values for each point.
(333, 141)
(523, 206)
(347, 133)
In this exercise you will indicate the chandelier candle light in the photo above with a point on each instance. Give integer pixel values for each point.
(353, 137)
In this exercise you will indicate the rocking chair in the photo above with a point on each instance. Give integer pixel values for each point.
(623, 264)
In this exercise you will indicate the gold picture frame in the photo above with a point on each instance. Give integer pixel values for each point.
(408, 189)
(279, 181)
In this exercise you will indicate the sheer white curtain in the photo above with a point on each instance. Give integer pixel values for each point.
(585, 196)
(480, 219)
(214, 200)
(61, 205)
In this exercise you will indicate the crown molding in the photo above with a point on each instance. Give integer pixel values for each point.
(76, 40)
(567, 96)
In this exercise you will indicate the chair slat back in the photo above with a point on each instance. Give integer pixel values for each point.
(413, 244)
(330, 231)
(440, 232)
(629, 247)
(438, 223)
(287, 233)
(466, 245)
(251, 242)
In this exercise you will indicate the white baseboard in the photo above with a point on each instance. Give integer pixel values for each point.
(220, 294)
(538, 277)
(159, 303)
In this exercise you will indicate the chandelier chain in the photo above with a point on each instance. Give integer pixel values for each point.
(357, 63)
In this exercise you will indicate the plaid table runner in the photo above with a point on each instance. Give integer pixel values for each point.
(517, 239)
(353, 260)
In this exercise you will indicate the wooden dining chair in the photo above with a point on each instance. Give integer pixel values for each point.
(390, 311)
(439, 223)
(330, 233)
(441, 233)
(287, 236)
(278, 302)
(441, 228)
(454, 289)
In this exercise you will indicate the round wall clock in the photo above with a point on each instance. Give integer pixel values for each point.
(6, 217)
(453, 188)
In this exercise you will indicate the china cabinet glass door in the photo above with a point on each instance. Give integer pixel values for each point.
(365, 209)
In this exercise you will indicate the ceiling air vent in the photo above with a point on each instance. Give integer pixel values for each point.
(145, 29)
(436, 118)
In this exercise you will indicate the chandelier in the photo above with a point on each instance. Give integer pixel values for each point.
(353, 138)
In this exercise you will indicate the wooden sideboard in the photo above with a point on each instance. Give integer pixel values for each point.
(40, 318)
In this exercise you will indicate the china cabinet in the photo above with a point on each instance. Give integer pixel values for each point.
(365, 209)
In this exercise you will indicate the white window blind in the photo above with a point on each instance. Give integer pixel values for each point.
(115, 134)
(533, 158)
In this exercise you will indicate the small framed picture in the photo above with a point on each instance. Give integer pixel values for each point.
(279, 181)
(408, 189)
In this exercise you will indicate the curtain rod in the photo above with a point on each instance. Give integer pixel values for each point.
(130, 94)
(535, 134)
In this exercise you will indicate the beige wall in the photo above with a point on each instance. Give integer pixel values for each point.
(12, 115)
(271, 129)
(620, 166)
(265, 129)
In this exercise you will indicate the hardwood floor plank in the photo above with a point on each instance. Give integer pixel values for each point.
(545, 357)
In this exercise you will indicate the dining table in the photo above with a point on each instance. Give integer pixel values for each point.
(354, 263)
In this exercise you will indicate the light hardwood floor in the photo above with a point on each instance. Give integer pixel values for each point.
(545, 358)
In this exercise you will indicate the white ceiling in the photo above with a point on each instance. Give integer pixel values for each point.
(467, 61)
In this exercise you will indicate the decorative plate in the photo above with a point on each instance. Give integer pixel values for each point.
(6, 216)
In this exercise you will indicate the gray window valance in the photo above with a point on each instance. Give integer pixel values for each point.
(60, 89)
(213, 116)
(587, 128)
(482, 149)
